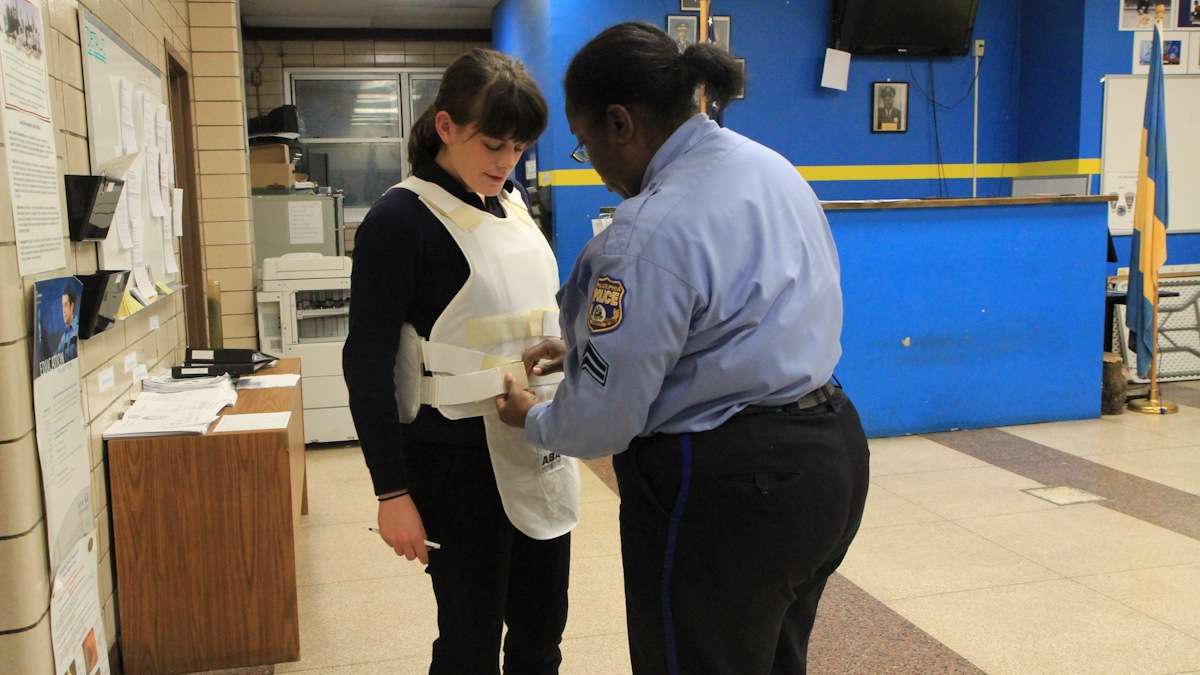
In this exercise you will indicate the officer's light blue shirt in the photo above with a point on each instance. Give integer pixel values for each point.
(716, 287)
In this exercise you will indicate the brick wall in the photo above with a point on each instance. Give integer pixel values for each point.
(206, 35)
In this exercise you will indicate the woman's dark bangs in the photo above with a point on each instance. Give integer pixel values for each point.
(509, 111)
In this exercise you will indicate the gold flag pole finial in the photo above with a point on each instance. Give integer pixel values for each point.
(1160, 11)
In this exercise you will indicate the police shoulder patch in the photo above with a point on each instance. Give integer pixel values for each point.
(608, 305)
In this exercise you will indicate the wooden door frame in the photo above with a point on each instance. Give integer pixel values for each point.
(179, 87)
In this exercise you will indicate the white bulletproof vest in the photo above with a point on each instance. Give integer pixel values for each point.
(506, 306)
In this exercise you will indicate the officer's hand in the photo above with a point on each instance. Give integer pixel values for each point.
(514, 405)
(545, 357)
(401, 527)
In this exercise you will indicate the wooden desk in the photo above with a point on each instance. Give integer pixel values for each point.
(204, 536)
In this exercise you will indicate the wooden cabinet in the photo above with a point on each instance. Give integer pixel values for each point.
(204, 536)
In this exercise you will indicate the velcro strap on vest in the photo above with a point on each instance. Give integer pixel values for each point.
(545, 380)
(440, 357)
(442, 390)
(463, 215)
(491, 330)
(448, 390)
(467, 217)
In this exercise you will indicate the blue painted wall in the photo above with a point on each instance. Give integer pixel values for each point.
(987, 343)
(785, 107)
(520, 29)
(1050, 77)
(1041, 97)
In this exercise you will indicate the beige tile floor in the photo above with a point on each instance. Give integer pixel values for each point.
(1020, 587)
(365, 611)
(1012, 583)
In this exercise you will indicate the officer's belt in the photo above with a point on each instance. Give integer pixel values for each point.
(819, 396)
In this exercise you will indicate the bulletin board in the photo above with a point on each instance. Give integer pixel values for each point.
(108, 62)
(1124, 112)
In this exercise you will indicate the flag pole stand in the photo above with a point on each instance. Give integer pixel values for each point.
(1154, 405)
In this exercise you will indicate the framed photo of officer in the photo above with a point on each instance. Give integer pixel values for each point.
(683, 29)
(722, 33)
(889, 107)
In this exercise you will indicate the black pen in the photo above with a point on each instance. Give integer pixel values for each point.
(430, 544)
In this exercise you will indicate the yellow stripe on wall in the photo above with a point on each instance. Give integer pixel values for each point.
(1062, 167)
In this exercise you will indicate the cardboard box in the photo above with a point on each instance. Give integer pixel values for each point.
(276, 153)
(271, 166)
(271, 175)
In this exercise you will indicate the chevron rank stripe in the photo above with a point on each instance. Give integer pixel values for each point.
(594, 364)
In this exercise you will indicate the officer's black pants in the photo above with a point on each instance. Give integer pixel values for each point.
(728, 537)
(487, 573)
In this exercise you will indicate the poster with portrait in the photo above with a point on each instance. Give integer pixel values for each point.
(683, 29)
(1140, 14)
(889, 107)
(1175, 47)
(58, 409)
(32, 165)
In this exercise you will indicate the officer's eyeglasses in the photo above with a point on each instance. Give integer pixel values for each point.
(580, 154)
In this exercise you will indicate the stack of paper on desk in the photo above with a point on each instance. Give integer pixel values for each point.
(186, 412)
(168, 384)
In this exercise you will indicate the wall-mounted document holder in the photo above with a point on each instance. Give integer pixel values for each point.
(102, 294)
(91, 205)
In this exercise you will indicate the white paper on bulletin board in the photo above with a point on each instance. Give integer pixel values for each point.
(306, 224)
(107, 62)
(32, 180)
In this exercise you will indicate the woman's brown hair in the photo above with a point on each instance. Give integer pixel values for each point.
(486, 88)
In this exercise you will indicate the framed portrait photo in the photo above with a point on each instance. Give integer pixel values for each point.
(689, 5)
(722, 33)
(889, 107)
(741, 94)
(683, 29)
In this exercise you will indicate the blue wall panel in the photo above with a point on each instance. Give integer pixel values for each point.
(574, 207)
(1182, 249)
(1002, 314)
(1051, 62)
(520, 27)
(785, 108)
(1106, 50)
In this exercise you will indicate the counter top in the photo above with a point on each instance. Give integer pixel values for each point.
(955, 203)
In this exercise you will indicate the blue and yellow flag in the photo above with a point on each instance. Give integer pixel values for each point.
(1149, 250)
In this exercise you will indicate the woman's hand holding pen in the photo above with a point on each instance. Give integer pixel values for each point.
(401, 527)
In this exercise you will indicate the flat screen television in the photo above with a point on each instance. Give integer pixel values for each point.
(904, 27)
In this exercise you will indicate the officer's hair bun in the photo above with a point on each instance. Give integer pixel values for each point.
(708, 65)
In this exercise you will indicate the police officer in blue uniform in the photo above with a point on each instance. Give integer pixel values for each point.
(701, 330)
